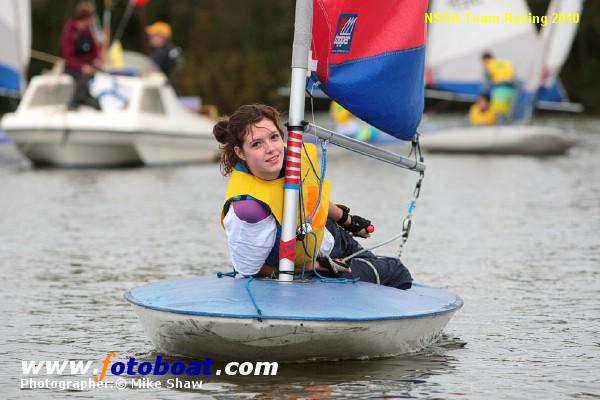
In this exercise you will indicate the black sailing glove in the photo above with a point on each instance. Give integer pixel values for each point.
(358, 226)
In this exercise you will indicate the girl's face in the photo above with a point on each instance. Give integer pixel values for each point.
(262, 150)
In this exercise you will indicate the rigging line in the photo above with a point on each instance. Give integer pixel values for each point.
(407, 222)
(312, 103)
(124, 20)
(326, 279)
(372, 247)
(321, 178)
(249, 290)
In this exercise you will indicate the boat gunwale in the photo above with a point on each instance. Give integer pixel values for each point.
(448, 308)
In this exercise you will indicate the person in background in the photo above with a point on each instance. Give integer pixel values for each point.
(252, 155)
(347, 124)
(481, 112)
(499, 83)
(81, 52)
(164, 53)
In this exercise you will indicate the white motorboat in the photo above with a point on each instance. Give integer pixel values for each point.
(141, 122)
(499, 139)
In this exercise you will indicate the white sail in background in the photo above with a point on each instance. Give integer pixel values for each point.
(558, 37)
(15, 45)
(454, 48)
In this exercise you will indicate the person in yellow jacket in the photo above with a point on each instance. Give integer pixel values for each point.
(499, 82)
(253, 157)
(347, 124)
(481, 112)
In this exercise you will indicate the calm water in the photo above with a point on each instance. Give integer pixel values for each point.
(517, 237)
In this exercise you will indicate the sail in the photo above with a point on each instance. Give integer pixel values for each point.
(455, 46)
(557, 40)
(15, 45)
(370, 59)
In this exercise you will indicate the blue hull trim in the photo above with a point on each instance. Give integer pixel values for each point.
(553, 93)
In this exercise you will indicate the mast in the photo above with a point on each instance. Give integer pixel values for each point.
(106, 27)
(300, 52)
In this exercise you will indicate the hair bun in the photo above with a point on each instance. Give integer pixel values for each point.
(221, 130)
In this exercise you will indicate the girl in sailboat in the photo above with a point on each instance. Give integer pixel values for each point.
(252, 155)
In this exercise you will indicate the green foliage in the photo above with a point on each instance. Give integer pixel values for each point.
(239, 51)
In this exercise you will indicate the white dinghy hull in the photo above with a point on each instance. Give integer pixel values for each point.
(505, 139)
(277, 340)
(300, 321)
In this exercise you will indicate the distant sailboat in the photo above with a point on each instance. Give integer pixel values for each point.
(453, 63)
(537, 60)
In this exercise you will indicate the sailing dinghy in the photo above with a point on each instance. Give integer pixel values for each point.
(454, 67)
(292, 319)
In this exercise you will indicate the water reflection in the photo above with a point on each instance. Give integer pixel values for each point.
(403, 376)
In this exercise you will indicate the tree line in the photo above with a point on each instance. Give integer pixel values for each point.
(239, 51)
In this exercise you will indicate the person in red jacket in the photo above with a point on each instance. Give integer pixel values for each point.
(81, 53)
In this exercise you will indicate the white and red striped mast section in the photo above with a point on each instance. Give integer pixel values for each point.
(300, 53)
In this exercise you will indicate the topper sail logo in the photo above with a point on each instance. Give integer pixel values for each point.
(344, 33)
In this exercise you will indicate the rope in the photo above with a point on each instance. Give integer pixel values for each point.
(258, 310)
(373, 268)
(407, 222)
(232, 274)
(321, 178)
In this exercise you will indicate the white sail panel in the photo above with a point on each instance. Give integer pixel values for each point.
(558, 37)
(454, 48)
(15, 44)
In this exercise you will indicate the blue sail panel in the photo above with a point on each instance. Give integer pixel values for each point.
(393, 101)
(10, 79)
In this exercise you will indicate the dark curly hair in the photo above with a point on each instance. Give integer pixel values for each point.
(230, 131)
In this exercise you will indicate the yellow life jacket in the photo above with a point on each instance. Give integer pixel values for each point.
(271, 193)
(500, 71)
(479, 117)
